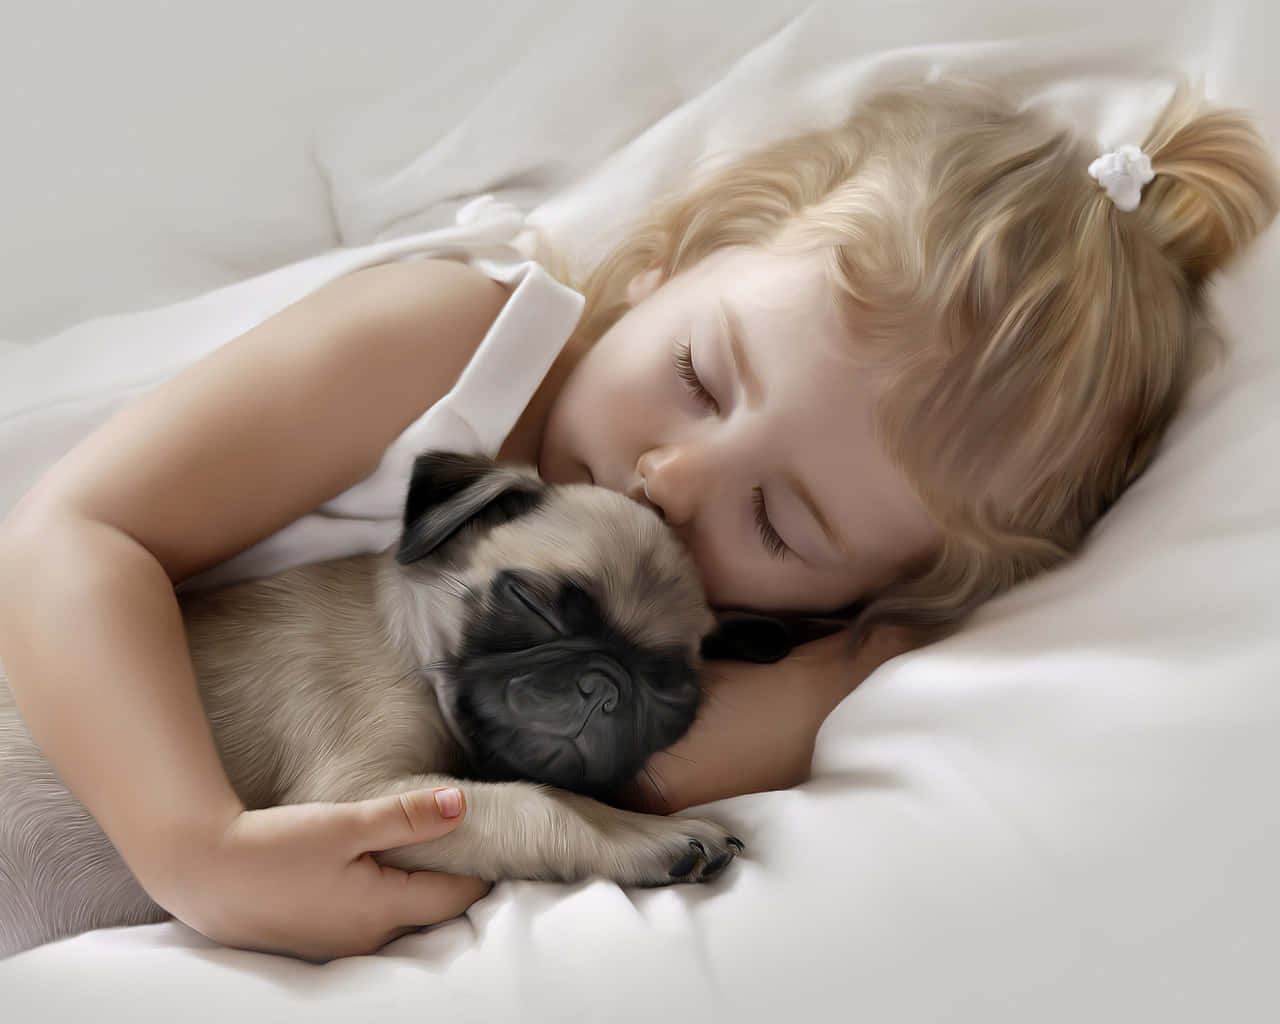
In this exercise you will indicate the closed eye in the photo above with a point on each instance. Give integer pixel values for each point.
(773, 541)
(683, 358)
(520, 596)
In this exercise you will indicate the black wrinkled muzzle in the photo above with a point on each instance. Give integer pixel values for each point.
(580, 713)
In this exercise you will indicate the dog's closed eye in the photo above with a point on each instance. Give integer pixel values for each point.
(528, 601)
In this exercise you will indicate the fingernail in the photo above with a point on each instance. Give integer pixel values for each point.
(450, 802)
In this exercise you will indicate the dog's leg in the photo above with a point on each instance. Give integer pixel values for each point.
(523, 830)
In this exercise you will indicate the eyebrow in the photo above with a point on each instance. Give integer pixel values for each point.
(746, 373)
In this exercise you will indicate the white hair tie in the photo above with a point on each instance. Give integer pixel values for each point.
(1122, 173)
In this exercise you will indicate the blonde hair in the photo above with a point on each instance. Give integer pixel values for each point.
(1033, 340)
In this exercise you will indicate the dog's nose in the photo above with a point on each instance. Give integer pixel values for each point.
(599, 690)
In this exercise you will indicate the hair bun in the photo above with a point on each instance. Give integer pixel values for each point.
(1215, 185)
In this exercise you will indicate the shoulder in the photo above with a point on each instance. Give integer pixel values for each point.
(408, 326)
(443, 293)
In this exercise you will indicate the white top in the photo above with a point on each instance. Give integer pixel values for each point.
(54, 392)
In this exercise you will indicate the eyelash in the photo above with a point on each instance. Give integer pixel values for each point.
(684, 370)
(775, 545)
(683, 355)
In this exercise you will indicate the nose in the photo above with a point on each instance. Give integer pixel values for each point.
(600, 690)
(675, 480)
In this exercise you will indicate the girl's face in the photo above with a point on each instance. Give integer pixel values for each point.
(727, 398)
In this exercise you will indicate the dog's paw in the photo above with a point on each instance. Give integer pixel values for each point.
(700, 866)
(692, 850)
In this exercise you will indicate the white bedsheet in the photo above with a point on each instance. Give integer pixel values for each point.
(1063, 813)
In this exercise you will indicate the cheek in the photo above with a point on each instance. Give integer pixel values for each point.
(731, 577)
(589, 421)
(609, 373)
(627, 390)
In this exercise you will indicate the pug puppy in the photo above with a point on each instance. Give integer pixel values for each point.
(531, 644)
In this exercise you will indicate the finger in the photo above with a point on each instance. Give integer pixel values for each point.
(402, 819)
(426, 897)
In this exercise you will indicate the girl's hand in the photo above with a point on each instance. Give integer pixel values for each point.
(300, 879)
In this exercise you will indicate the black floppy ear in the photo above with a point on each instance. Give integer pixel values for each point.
(449, 491)
(751, 636)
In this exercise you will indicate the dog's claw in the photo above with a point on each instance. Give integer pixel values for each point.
(736, 843)
(689, 861)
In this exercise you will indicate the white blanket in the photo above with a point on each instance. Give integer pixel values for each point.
(1064, 813)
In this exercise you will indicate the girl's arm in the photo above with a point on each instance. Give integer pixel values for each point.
(757, 726)
(235, 447)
